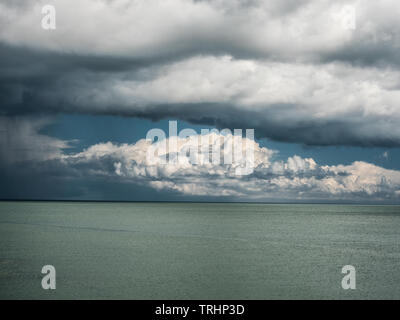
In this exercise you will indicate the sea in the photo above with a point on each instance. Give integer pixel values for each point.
(153, 250)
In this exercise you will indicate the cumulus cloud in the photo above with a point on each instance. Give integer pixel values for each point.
(290, 69)
(296, 178)
(197, 166)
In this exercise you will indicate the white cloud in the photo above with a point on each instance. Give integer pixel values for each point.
(295, 178)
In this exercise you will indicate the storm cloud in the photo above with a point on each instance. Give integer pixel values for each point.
(293, 70)
(314, 73)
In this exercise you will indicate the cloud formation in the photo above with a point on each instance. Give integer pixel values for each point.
(291, 70)
(303, 71)
(296, 178)
(196, 172)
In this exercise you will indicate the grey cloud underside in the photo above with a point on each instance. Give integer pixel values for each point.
(284, 68)
(43, 83)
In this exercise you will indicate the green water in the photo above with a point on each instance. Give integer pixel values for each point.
(198, 251)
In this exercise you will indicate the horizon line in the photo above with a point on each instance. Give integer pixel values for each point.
(211, 202)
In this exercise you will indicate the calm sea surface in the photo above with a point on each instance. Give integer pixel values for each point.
(198, 250)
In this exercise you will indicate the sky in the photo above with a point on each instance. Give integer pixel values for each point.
(318, 81)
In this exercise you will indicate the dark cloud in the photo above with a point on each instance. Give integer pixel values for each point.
(43, 83)
(293, 73)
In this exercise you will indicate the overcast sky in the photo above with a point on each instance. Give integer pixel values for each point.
(318, 81)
